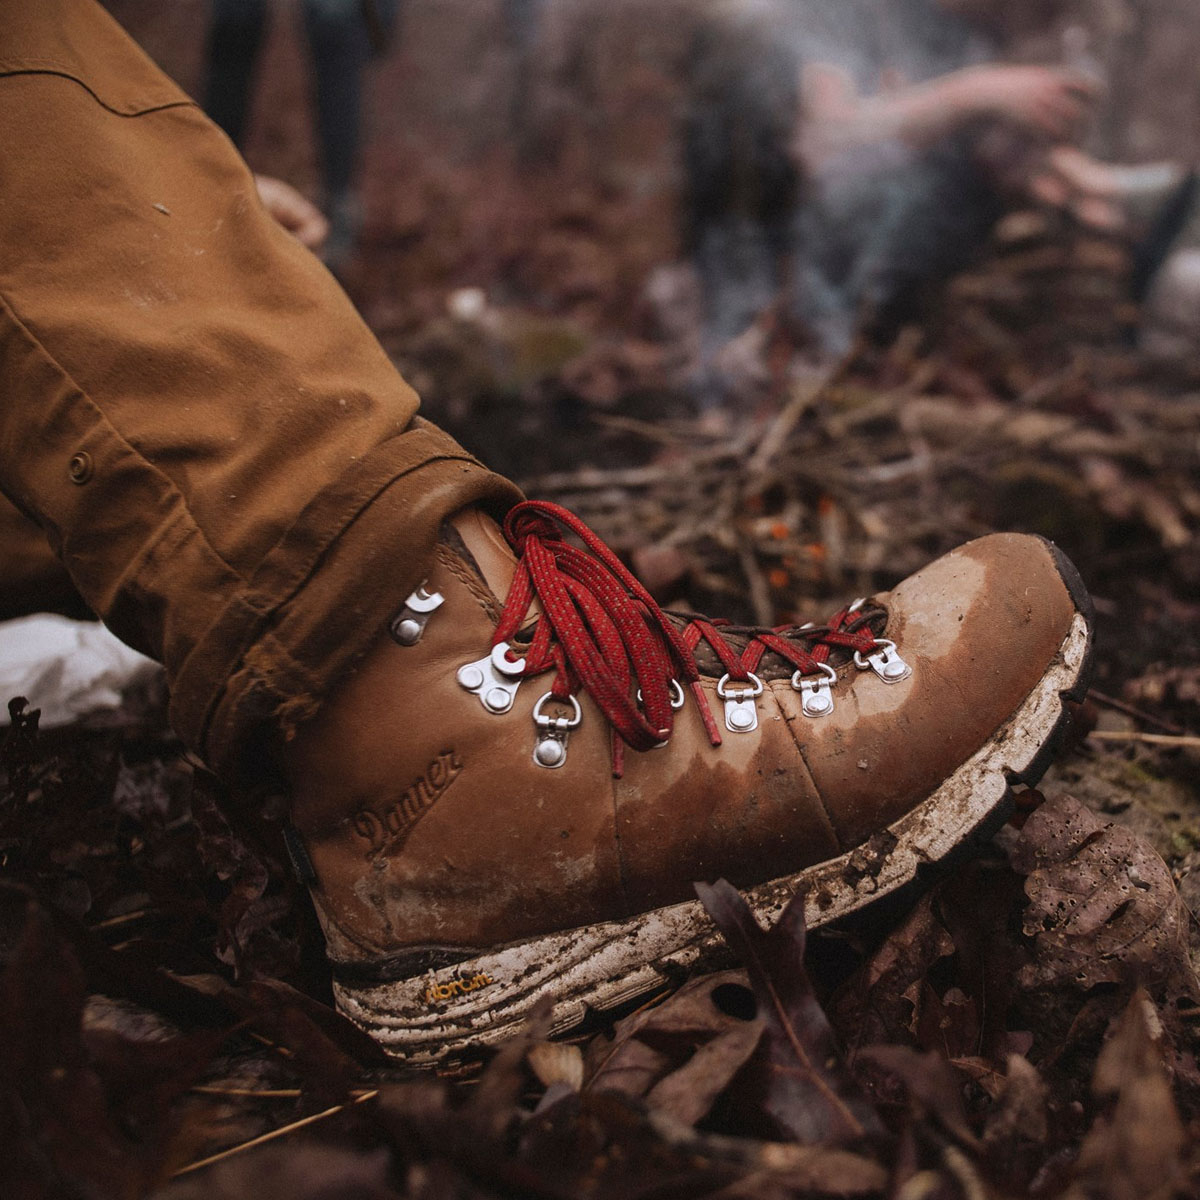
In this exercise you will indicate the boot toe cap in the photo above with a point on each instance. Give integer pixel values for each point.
(981, 628)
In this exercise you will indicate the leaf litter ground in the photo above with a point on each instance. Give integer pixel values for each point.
(1028, 1026)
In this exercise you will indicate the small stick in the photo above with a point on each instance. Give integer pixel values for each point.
(209, 1089)
(646, 429)
(1154, 739)
(776, 435)
(283, 1050)
(123, 919)
(275, 1133)
(1128, 709)
(760, 596)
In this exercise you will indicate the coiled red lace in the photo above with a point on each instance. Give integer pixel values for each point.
(602, 631)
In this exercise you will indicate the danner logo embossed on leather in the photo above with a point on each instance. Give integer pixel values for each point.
(392, 825)
(436, 992)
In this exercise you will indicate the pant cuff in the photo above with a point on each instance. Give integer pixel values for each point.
(323, 596)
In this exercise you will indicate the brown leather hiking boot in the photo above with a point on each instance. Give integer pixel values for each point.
(512, 798)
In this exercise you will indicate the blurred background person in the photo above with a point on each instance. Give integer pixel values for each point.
(842, 156)
(343, 36)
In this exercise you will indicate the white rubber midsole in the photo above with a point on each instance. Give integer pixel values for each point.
(598, 967)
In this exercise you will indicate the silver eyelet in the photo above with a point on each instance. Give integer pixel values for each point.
(816, 695)
(493, 679)
(550, 750)
(501, 662)
(409, 624)
(741, 713)
(885, 662)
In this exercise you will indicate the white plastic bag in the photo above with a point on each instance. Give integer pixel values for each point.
(66, 668)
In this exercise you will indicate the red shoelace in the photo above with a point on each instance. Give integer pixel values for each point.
(602, 631)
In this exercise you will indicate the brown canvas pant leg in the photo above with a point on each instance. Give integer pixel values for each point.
(31, 577)
(216, 447)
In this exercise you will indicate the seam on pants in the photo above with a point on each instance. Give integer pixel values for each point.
(50, 67)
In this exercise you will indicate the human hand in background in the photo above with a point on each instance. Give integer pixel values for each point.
(1050, 102)
(300, 217)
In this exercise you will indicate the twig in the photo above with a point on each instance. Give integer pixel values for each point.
(283, 1050)
(123, 919)
(275, 1133)
(208, 1089)
(777, 433)
(1130, 711)
(760, 596)
(918, 463)
(1154, 739)
(593, 478)
(643, 429)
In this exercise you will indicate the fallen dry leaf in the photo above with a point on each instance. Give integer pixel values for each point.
(556, 1063)
(796, 1078)
(682, 1053)
(688, 1093)
(1102, 908)
(931, 1086)
(1132, 1151)
(882, 1002)
(1020, 1116)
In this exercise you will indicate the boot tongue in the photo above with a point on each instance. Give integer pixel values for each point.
(486, 549)
(479, 541)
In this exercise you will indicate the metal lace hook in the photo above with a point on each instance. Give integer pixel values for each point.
(741, 713)
(550, 750)
(885, 662)
(816, 695)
